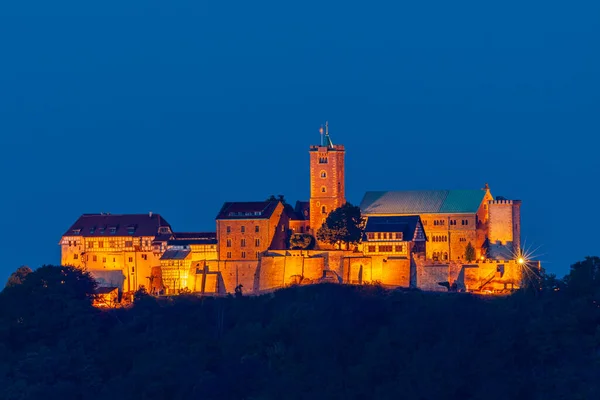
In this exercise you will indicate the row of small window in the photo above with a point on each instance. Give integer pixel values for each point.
(322, 160)
(128, 243)
(438, 255)
(440, 238)
(441, 222)
(384, 235)
(95, 258)
(243, 242)
(243, 255)
(385, 248)
(243, 229)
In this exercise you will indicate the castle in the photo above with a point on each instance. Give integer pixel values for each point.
(463, 240)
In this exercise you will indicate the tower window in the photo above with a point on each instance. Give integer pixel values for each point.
(323, 174)
(323, 189)
(243, 254)
(228, 242)
(257, 242)
(257, 229)
(228, 229)
(228, 254)
(243, 229)
(243, 243)
(323, 210)
(322, 160)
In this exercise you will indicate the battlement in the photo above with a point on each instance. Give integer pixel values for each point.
(506, 202)
(323, 149)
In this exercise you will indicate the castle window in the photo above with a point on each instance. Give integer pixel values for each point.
(111, 244)
(243, 229)
(130, 259)
(75, 256)
(399, 235)
(243, 243)
(90, 245)
(323, 189)
(228, 254)
(243, 254)
(228, 229)
(103, 259)
(257, 254)
(378, 235)
(399, 248)
(323, 210)
(132, 270)
(94, 258)
(257, 242)
(129, 243)
(257, 229)
(370, 235)
(114, 259)
(323, 174)
(144, 257)
(101, 244)
(322, 160)
(386, 249)
(445, 256)
(228, 242)
(371, 249)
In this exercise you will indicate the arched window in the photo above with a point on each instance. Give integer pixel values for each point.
(445, 256)
(323, 189)
(323, 210)
(323, 174)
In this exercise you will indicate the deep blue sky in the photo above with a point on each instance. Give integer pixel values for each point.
(176, 107)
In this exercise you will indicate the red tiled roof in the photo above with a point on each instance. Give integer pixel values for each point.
(247, 210)
(98, 225)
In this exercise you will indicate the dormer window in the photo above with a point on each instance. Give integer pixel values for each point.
(113, 230)
(92, 230)
(102, 229)
(76, 231)
(130, 230)
(164, 229)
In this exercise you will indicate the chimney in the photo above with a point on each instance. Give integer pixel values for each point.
(150, 214)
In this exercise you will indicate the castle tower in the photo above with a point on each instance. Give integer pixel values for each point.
(504, 233)
(327, 188)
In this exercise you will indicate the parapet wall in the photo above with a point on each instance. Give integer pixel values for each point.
(283, 268)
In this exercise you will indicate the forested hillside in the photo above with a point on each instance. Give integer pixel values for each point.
(312, 342)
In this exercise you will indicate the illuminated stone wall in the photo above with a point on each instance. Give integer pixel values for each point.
(132, 257)
(327, 186)
(504, 228)
(231, 232)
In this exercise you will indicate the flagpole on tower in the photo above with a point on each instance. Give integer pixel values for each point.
(321, 132)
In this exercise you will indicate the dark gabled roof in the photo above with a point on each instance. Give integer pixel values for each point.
(187, 238)
(194, 235)
(247, 210)
(105, 289)
(175, 255)
(187, 242)
(99, 225)
(406, 224)
(302, 210)
(422, 202)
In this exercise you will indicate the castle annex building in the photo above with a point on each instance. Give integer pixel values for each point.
(429, 239)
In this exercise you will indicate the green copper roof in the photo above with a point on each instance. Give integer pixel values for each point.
(422, 202)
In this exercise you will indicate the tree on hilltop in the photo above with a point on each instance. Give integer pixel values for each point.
(17, 277)
(344, 225)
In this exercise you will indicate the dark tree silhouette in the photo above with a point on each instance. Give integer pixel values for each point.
(17, 277)
(344, 225)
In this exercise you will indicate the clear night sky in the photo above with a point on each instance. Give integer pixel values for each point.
(175, 107)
